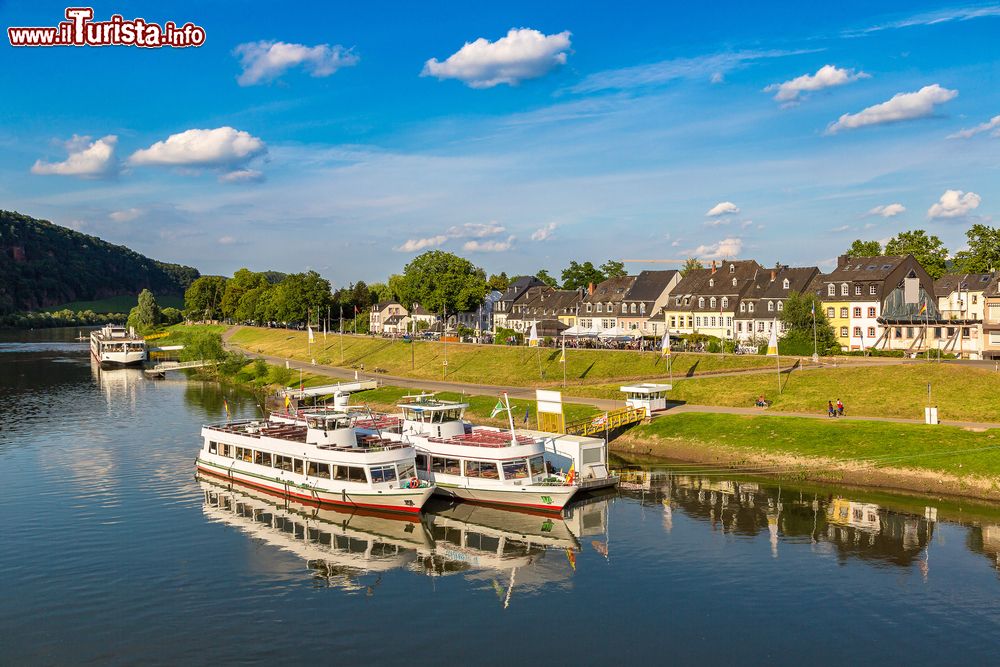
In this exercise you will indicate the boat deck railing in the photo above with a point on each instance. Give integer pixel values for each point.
(297, 433)
(485, 438)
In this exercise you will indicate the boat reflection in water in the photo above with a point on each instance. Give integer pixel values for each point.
(497, 548)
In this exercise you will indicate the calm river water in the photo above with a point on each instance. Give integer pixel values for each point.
(113, 552)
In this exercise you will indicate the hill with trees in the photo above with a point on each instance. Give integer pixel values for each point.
(44, 265)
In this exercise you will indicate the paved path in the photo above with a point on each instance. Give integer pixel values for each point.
(528, 393)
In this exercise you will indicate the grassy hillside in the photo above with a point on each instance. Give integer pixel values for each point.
(495, 364)
(45, 265)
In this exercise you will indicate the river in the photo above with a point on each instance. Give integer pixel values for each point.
(114, 552)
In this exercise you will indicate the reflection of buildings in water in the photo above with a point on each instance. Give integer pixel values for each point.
(500, 548)
(985, 539)
(339, 547)
(120, 386)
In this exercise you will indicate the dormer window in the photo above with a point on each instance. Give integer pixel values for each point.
(600, 307)
(781, 305)
(872, 289)
(725, 302)
(784, 284)
(732, 268)
(770, 306)
(831, 290)
(843, 289)
(678, 302)
(701, 302)
(857, 290)
(642, 309)
(734, 282)
(632, 309)
(711, 302)
(590, 307)
(750, 307)
(743, 308)
(711, 282)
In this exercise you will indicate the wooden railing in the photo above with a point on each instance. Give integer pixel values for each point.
(607, 421)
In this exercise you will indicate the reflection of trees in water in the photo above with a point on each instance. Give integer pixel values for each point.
(853, 529)
(205, 397)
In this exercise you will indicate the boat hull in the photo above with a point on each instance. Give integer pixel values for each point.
(547, 499)
(408, 501)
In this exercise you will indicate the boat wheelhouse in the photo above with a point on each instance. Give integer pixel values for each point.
(323, 461)
(113, 344)
(478, 463)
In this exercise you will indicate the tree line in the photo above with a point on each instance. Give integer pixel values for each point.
(982, 255)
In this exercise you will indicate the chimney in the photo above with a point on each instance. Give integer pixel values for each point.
(773, 275)
(713, 267)
(590, 289)
(842, 260)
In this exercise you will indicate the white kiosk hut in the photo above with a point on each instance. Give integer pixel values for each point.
(647, 396)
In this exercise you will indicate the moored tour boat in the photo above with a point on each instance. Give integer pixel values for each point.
(323, 461)
(115, 345)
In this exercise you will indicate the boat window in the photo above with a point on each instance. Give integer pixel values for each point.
(226, 450)
(481, 542)
(517, 469)
(262, 458)
(537, 465)
(212, 447)
(283, 462)
(313, 422)
(383, 474)
(421, 460)
(247, 455)
(297, 469)
(319, 470)
(349, 473)
(446, 466)
(485, 469)
(406, 470)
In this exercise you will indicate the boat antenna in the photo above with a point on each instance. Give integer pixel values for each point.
(510, 417)
(371, 416)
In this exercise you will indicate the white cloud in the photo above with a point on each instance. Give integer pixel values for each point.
(87, 159)
(495, 245)
(888, 210)
(523, 54)
(954, 204)
(902, 106)
(826, 76)
(727, 248)
(228, 240)
(992, 124)
(242, 176)
(125, 215)
(722, 208)
(746, 223)
(544, 233)
(475, 230)
(267, 60)
(936, 17)
(222, 148)
(712, 67)
(842, 228)
(414, 245)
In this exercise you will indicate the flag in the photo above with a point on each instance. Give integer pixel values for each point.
(533, 336)
(571, 557)
(225, 404)
(772, 344)
(526, 411)
(288, 402)
(562, 357)
(923, 309)
(812, 308)
(665, 344)
(497, 409)
(311, 337)
(571, 475)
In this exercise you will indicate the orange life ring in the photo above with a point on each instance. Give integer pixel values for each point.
(414, 482)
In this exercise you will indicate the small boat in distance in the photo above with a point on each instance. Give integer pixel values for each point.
(323, 461)
(114, 345)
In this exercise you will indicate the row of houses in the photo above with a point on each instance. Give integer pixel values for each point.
(884, 302)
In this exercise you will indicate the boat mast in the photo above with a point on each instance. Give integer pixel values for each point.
(510, 417)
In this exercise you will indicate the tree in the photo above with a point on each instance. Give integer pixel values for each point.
(300, 297)
(797, 312)
(203, 299)
(146, 314)
(613, 269)
(578, 275)
(691, 264)
(983, 255)
(242, 282)
(498, 282)
(441, 282)
(544, 276)
(381, 292)
(928, 250)
(864, 249)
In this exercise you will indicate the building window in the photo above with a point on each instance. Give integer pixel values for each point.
(781, 305)
(743, 308)
(701, 302)
(697, 321)
(711, 282)
(725, 302)
(857, 289)
(673, 321)
(975, 299)
(749, 307)
(857, 332)
(711, 302)
(739, 327)
(734, 282)
(843, 313)
(770, 306)
(642, 309)
(843, 332)
(831, 290)
(600, 307)
(871, 311)
(589, 307)
(857, 311)
(784, 284)
(729, 321)
(732, 268)
(843, 289)
(830, 312)
(760, 326)
(871, 332)
(607, 324)
(873, 289)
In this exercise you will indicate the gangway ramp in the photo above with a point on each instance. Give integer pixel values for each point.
(328, 389)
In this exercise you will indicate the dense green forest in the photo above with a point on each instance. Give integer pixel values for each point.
(44, 265)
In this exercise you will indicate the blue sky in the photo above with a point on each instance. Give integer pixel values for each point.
(593, 130)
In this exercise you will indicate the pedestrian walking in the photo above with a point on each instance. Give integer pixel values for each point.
(840, 408)
(830, 410)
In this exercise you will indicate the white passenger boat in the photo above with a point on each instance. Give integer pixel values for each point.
(113, 344)
(476, 463)
(324, 461)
